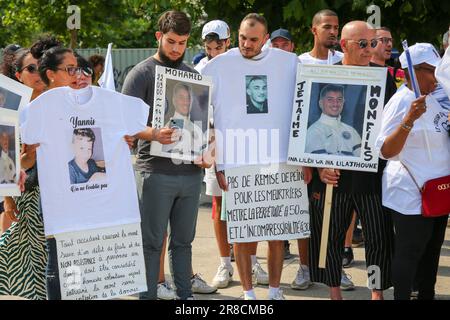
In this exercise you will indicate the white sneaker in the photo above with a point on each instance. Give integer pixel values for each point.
(248, 297)
(278, 296)
(259, 276)
(200, 286)
(223, 276)
(165, 292)
(346, 283)
(302, 280)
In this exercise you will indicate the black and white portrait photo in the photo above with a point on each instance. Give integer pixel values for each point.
(256, 94)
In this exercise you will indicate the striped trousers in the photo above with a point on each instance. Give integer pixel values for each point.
(378, 236)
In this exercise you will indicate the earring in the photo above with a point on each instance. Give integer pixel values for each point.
(52, 80)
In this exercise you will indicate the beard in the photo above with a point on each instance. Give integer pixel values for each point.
(165, 59)
(331, 45)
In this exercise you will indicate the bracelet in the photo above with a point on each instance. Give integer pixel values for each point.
(406, 127)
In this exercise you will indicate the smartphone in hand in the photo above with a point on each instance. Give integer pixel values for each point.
(176, 123)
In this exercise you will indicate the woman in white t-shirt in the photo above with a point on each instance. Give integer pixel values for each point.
(418, 240)
(23, 246)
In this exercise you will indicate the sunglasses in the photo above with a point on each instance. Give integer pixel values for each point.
(385, 40)
(86, 71)
(363, 43)
(31, 68)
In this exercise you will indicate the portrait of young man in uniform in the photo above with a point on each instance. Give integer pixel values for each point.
(329, 135)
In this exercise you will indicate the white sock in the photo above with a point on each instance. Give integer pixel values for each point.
(225, 261)
(250, 293)
(304, 267)
(273, 291)
(254, 260)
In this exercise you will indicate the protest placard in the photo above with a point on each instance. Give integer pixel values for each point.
(101, 264)
(13, 95)
(9, 155)
(266, 203)
(182, 101)
(336, 117)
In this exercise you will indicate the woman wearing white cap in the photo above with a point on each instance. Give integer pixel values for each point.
(418, 239)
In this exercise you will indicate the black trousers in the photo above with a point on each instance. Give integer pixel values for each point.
(378, 235)
(52, 271)
(418, 243)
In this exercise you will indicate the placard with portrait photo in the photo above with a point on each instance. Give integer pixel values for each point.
(9, 156)
(336, 117)
(13, 95)
(181, 102)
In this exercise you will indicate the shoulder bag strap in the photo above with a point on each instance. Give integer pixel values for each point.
(415, 182)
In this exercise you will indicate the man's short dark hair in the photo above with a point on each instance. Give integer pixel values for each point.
(331, 88)
(384, 29)
(255, 17)
(323, 13)
(85, 132)
(253, 78)
(210, 37)
(174, 21)
(97, 59)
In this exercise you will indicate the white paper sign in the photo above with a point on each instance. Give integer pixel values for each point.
(13, 97)
(266, 203)
(336, 117)
(182, 101)
(101, 264)
(9, 155)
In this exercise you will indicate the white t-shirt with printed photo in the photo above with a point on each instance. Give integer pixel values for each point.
(245, 136)
(84, 185)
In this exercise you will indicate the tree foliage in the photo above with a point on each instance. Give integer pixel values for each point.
(132, 23)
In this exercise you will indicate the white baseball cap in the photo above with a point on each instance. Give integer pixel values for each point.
(420, 53)
(218, 27)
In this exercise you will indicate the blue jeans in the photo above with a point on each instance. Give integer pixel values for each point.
(168, 200)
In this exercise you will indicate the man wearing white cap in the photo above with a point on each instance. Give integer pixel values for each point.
(418, 239)
(216, 39)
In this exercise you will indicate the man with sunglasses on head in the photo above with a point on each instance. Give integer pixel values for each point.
(354, 191)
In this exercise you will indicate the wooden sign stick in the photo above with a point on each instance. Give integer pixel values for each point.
(325, 226)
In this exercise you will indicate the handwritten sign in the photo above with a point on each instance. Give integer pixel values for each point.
(181, 102)
(101, 264)
(266, 203)
(336, 117)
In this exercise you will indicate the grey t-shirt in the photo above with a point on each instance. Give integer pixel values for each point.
(140, 82)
